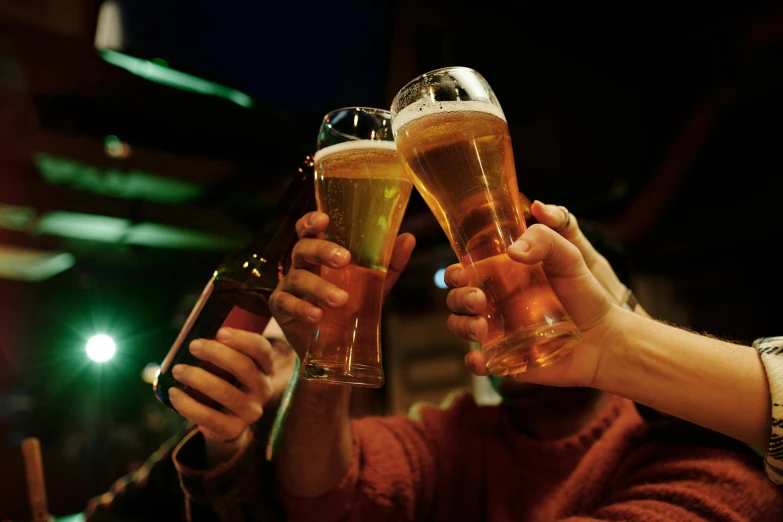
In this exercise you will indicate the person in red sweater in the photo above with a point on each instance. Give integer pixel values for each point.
(544, 454)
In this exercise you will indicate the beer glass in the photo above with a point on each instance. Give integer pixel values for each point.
(453, 139)
(361, 184)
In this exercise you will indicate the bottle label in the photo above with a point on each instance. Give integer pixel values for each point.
(241, 319)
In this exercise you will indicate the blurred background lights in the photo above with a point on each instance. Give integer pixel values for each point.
(116, 148)
(101, 348)
(440, 278)
(150, 372)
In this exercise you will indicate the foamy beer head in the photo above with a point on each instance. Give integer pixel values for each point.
(364, 189)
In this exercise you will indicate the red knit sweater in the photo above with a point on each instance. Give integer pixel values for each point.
(465, 462)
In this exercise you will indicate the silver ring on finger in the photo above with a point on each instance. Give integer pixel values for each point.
(567, 221)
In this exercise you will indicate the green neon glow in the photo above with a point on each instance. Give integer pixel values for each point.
(93, 227)
(131, 184)
(79, 517)
(49, 267)
(15, 217)
(83, 226)
(166, 236)
(27, 264)
(112, 141)
(173, 78)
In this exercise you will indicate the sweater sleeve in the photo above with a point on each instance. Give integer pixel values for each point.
(391, 476)
(232, 491)
(705, 478)
(174, 485)
(151, 493)
(771, 351)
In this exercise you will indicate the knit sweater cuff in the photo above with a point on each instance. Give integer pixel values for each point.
(771, 351)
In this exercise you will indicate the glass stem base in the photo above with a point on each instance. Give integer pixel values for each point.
(362, 375)
(531, 348)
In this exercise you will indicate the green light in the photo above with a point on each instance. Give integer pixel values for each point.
(173, 78)
(49, 267)
(78, 517)
(160, 61)
(28, 264)
(112, 230)
(166, 236)
(133, 184)
(83, 226)
(14, 217)
(112, 141)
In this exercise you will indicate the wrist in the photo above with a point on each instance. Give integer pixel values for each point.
(220, 451)
(617, 352)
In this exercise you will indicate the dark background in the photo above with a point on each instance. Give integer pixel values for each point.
(659, 123)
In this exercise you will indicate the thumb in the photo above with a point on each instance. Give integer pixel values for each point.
(578, 290)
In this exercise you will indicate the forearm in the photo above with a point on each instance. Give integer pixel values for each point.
(317, 442)
(713, 383)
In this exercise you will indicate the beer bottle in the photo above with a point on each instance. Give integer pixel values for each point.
(237, 295)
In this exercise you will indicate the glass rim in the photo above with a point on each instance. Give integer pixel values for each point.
(369, 110)
(376, 117)
(432, 73)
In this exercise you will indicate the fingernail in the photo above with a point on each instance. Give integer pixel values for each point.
(467, 360)
(309, 221)
(224, 334)
(177, 371)
(472, 326)
(470, 299)
(455, 276)
(174, 394)
(337, 295)
(196, 346)
(520, 245)
(339, 256)
(314, 314)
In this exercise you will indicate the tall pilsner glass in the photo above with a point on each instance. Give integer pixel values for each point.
(453, 139)
(361, 184)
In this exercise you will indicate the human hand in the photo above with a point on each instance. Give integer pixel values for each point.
(567, 225)
(298, 301)
(259, 370)
(580, 292)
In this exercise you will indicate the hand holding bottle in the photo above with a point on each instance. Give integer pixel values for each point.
(260, 368)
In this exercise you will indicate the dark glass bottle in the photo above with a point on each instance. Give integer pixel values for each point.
(237, 296)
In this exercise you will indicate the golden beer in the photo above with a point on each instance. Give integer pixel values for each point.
(364, 189)
(460, 158)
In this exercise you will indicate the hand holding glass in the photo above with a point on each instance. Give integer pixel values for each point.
(361, 185)
(453, 138)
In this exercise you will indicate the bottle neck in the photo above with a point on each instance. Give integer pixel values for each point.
(278, 234)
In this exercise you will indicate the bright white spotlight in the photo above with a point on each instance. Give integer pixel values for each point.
(101, 348)
(440, 278)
